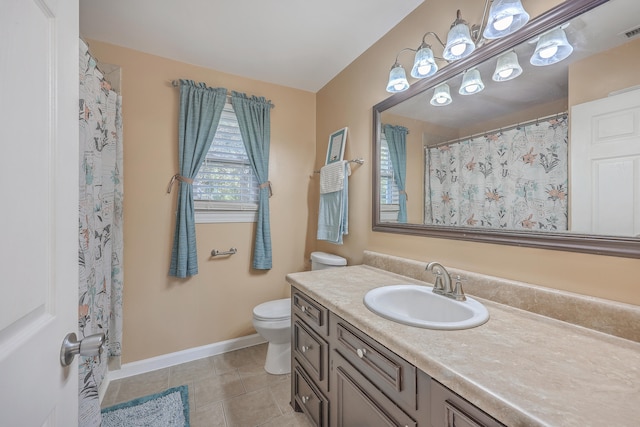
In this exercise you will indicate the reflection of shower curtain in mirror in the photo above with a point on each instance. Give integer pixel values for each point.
(100, 229)
(514, 179)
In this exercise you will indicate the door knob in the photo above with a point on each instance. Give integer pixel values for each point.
(89, 346)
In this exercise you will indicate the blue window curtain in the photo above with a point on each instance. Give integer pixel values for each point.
(397, 142)
(254, 121)
(200, 111)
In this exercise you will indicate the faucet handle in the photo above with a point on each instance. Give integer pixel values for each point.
(438, 286)
(458, 292)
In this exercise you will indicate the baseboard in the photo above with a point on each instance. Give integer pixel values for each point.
(171, 359)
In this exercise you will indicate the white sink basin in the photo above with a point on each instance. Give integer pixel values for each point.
(417, 305)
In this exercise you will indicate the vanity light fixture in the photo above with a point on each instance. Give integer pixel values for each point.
(441, 96)
(507, 67)
(424, 63)
(471, 83)
(552, 47)
(459, 43)
(499, 20)
(505, 17)
(397, 79)
(397, 76)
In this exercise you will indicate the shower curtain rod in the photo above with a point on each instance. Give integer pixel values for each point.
(176, 83)
(502, 129)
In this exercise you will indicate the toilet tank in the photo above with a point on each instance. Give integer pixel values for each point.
(322, 260)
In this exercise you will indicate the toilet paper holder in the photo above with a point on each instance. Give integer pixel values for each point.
(231, 251)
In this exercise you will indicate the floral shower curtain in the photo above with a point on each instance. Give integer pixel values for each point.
(514, 179)
(100, 229)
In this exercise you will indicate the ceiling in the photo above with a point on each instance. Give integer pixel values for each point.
(298, 44)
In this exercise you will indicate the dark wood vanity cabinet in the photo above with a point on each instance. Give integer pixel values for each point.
(310, 358)
(342, 377)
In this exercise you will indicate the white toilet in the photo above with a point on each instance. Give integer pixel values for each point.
(272, 320)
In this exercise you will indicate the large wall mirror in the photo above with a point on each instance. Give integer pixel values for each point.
(550, 159)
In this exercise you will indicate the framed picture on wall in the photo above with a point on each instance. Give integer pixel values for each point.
(337, 141)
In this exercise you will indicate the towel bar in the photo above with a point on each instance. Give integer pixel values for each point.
(359, 161)
(231, 251)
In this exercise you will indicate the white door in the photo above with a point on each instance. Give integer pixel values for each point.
(605, 166)
(39, 210)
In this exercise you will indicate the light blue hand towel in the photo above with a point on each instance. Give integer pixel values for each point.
(333, 215)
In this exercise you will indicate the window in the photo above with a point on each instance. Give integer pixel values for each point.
(226, 189)
(389, 195)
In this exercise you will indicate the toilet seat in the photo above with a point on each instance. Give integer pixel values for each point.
(273, 310)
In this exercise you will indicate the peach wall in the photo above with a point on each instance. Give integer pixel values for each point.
(163, 314)
(347, 101)
(598, 75)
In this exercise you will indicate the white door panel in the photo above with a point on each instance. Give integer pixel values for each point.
(38, 216)
(605, 166)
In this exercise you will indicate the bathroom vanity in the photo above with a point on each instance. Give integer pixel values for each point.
(371, 385)
(353, 367)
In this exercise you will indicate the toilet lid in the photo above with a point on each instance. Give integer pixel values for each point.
(279, 309)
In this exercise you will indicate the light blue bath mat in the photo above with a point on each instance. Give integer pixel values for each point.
(169, 408)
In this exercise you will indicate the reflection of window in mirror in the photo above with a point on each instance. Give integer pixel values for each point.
(389, 204)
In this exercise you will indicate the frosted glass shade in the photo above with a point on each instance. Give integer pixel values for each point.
(507, 67)
(441, 96)
(459, 43)
(424, 65)
(471, 83)
(397, 79)
(505, 17)
(552, 47)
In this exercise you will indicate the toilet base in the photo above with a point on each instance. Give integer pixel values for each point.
(278, 358)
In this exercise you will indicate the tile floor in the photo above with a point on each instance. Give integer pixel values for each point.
(226, 390)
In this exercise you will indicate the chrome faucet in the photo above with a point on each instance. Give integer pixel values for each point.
(442, 285)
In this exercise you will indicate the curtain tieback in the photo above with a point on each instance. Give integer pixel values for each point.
(178, 177)
(267, 185)
(406, 196)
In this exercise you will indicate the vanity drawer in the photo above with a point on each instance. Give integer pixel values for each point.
(311, 312)
(312, 352)
(309, 399)
(393, 375)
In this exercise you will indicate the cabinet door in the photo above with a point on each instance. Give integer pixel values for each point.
(358, 403)
(450, 410)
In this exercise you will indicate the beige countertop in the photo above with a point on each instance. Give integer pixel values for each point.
(522, 368)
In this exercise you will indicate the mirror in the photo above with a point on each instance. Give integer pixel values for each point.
(577, 121)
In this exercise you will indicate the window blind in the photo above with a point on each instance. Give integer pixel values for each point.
(226, 180)
(388, 189)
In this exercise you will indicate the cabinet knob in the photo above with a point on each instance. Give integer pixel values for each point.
(305, 348)
(361, 352)
(304, 399)
(303, 309)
